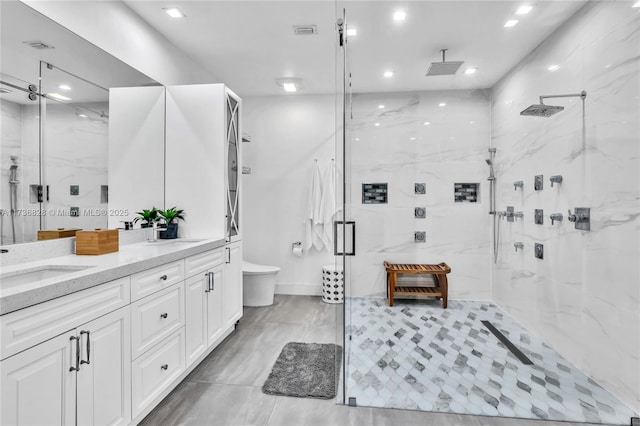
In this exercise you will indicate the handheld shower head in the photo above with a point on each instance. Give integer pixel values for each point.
(489, 162)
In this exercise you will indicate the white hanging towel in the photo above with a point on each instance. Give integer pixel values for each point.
(329, 206)
(313, 224)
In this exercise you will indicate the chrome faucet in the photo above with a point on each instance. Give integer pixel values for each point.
(556, 179)
(518, 245)
(518, 215)
(518, 184)
(556, 216)
(154, 232)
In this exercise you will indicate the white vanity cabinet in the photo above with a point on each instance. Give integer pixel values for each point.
(110, 353)
(79, 377)
(204, 293)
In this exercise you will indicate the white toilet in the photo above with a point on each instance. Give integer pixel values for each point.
(258, 284)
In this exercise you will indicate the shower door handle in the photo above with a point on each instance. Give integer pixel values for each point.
(348, 241)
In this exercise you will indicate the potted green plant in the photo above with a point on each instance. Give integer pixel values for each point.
(170, 217)
(147, 216)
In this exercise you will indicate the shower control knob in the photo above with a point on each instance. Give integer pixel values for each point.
(572, 217)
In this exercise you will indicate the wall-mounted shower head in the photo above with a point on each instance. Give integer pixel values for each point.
(541, 110)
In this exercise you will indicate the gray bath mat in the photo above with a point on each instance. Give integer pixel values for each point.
(305, 370)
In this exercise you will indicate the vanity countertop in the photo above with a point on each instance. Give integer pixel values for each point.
(131, 258)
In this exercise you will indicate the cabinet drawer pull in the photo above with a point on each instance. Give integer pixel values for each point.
(164, 278)
(164, 366)
(77, 367)
(88, 333)
(165, 315)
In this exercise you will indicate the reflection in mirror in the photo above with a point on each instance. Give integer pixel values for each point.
(74, 150)
(59, 144)
(19, 160)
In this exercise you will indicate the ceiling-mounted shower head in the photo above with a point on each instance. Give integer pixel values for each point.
(443, 68)
(542, 110)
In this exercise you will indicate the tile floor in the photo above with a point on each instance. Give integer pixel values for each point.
(226, 388)
(415, 355)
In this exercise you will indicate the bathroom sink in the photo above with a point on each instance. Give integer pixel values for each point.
(37, 273)
(173, 243)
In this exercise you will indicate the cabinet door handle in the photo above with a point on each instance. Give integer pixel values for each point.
(164, 366)
(228, 255)
(213, 280)
(77, 367)
(164, 278)
(206, 274)
(165, 315)
(88, 333)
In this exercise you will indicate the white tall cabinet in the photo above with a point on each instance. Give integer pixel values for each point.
(136, 151)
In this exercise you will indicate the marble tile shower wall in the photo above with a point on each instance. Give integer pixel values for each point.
(402, 150)
(583, 297)
(76, 154)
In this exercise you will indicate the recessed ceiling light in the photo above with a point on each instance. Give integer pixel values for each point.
(289, 87)
(82, 115)
(511, 23)
(58, 96)
(472, 122)
(174, 12)
(470, 70)
(552, 68)
(289, 84)
(426, 123)
(352, 32)
(637, 4)
(399, 15)
(524, 9)
(357, 139)
(381, 106)
(412, 139)
(64, 87)
(441, 104)
(388, 74)
(377, 124)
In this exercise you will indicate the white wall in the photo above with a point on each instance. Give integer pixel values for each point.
(119, 31)
(402, 151)
(583, 298)
(288, 133)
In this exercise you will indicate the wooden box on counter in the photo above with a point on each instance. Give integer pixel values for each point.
(52, 234)
(98, 241)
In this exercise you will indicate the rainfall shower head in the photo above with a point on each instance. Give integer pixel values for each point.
(489, 162)
(542, 110)
(443, 68)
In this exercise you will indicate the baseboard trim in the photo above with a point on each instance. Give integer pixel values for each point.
(299, 289)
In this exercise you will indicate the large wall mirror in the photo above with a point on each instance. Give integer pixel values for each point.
(54, 98)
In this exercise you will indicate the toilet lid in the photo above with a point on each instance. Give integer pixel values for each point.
(252, 268)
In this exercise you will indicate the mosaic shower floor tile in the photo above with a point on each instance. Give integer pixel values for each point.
(415, 355)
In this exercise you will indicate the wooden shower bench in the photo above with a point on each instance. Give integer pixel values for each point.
(440, 271)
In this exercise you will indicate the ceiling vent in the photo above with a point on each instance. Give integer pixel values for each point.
(305, 29)
(40, 45)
